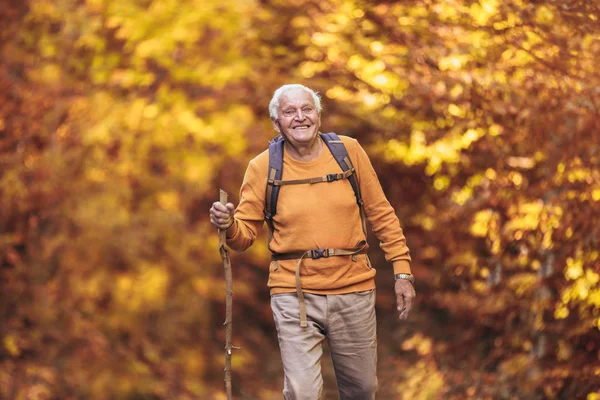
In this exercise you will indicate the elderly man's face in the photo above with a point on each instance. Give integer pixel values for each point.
(298, 119)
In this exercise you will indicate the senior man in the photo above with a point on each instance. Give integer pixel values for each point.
(315, 192)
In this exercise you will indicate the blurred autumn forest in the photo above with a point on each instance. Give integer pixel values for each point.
(120, 119)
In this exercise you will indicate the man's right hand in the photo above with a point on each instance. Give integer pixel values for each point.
(221, 215)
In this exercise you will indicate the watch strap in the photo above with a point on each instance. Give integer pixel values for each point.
(407, 277)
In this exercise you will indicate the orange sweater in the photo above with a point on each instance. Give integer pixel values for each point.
(321, 215)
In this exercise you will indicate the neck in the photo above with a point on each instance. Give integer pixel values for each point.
(307, 152)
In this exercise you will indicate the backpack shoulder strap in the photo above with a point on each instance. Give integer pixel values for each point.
(339, 152)
(275, 173)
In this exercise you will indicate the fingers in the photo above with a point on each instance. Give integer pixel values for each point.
(226, 208)
(405, 294)
(408, 302)
(401, 308)
(221, 215)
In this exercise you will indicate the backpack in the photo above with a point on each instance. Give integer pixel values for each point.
(274, 182)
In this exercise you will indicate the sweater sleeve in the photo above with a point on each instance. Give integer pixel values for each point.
(248, 216)
(380, 214)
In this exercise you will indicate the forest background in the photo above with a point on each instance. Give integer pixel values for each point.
(121, 119)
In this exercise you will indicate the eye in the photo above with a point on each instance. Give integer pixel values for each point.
(308, 110)
(288, 112)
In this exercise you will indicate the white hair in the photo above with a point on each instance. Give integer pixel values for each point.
(274, 103)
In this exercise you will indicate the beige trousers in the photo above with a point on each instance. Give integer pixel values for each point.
(348, 323)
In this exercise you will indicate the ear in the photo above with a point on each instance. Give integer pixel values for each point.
(276, 125)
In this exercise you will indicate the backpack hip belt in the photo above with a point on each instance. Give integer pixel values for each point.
(315, 254)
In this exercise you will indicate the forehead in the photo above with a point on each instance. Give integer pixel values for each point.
(295, 97)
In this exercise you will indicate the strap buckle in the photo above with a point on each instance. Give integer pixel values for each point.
(332, 177)
(319, 253)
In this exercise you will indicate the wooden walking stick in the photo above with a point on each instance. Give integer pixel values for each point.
(228, 299)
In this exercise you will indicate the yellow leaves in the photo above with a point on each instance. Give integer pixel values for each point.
(561, 312)
(525, 216)
(423, 381)
(565, 350)
(456, 111)
(204, 287)
(479, 286)
(574, 172)
(301, 21)
(461, 196)
(574, 268)
(580, 290)
(470, 136)
(10, 344)
(516, 364)
(190, 121)
(481, 222)
(441, 183)
(376, 47)
(594, 298)
(129, 78)
(517, 57)
(406, 20)
(49, 74)
(445, 150)
(150, 48)
(369, 100)
(481, 12)
(520, 162)
(309, 68)
(578, 175)
(44, 10)
(324, 39)
(419, 343)
(453, 63)
(96, 175)
(516, 178)
(584, 285)
(144, 290)
(490, 174)
(456, 91)
(168, 201)
(544, 15)
(197, 169)
(424, 221)
(522, 283)
(380, 80)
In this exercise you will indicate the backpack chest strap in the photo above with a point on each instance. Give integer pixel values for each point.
(318, 179)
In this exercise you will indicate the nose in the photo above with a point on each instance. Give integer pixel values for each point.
(300, 115)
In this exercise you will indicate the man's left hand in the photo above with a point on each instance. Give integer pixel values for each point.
(405, 293)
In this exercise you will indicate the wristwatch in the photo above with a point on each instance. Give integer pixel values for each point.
(407, 277)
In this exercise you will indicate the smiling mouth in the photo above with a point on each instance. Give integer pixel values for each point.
(301, 127)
